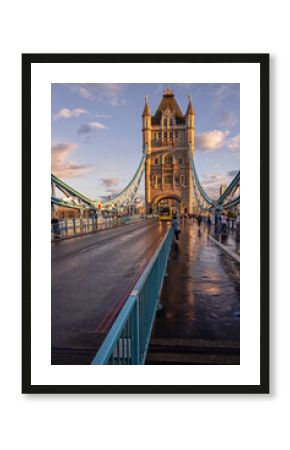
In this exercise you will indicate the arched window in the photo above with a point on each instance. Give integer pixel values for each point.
(165, 122)
(171, 122)
(168, 179)
(168, 159)
(154, 180)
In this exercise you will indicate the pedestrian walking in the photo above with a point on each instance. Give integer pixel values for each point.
(223, 222)
(238, 222)
(199, 219)
(176, 228)
(55, 228)
(238, 228)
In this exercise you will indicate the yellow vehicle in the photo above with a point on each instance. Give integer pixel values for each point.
(166, 213)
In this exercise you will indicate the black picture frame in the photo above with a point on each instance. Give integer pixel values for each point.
(263, 61)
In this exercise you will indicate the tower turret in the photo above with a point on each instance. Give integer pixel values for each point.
(189, 111)
(190, 123)
(146, 111)
(147, 148)
(146, 126)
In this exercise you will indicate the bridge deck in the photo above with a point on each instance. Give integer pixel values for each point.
(91, 278)
(200, 319)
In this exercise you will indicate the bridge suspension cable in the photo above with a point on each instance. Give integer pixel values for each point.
(130, 191)
(124, 197)
(230, 189)
(68, 191)
(204, 202)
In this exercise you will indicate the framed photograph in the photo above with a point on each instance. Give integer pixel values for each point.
(152, 254)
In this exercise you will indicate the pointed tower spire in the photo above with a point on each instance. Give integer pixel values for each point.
(146, 111)
(189, 111)
(168, 92)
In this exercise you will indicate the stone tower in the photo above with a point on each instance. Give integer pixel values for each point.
(166, 139)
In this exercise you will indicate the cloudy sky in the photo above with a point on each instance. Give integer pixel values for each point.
(97, 138)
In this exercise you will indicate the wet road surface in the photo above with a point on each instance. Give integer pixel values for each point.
(200, 319)
(92, 277)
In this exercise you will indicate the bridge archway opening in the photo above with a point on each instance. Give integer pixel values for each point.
(171, 202)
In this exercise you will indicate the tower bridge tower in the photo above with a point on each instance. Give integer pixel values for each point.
(166, 139)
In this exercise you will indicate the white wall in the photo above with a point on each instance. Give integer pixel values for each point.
(202, 422)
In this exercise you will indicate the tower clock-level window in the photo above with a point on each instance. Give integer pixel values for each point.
(168, 179)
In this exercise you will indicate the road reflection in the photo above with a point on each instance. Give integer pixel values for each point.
(201, 295)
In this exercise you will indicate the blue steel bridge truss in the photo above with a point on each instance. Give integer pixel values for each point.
(230, 197)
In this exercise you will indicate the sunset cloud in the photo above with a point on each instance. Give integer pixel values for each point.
(212, 183)
(67, 113)
(90, 127)
(211, 140)
(109, 182)
(234, 143)
(110, 185)
(61, 166)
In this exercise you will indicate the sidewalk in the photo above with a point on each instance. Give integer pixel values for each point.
(230, 239)
(200, 319)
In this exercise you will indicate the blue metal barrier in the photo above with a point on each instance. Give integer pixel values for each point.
(128, 339)
(76, 226)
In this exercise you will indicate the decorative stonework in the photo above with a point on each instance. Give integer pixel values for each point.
(166, 139)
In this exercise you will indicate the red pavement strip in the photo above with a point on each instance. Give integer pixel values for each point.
(111, 315)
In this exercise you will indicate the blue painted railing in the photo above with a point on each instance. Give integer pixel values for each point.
(127, 341)
(75, 227)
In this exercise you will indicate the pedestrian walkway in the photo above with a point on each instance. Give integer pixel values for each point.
(231, 238)
(200, 319)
